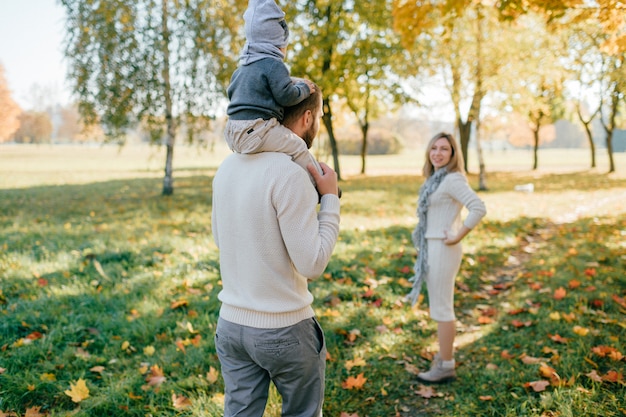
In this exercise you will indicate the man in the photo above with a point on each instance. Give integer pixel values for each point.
(272, 241)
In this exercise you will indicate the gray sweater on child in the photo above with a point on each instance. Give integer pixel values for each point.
(261, 89)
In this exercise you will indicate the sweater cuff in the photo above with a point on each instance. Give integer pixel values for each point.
(330, 202)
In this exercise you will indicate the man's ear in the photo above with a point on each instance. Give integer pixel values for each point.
(307, 117)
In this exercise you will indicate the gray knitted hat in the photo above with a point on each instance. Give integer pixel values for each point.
(265, 23)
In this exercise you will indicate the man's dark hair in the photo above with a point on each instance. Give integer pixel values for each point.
(292, 113)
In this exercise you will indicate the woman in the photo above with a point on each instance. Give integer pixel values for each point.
(437, 237)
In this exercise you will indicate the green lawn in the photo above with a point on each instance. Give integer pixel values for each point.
(108, 291)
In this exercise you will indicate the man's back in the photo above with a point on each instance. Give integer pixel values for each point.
(271, 241)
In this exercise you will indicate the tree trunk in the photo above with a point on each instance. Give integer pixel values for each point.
(364, 129)
(465, 129)
(168, 179)
(536, 148)
(592, 145)
(328, 122)
(609, 149)
(482, 175)
(610, 129)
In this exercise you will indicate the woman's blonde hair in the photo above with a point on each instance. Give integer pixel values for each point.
(456, 159)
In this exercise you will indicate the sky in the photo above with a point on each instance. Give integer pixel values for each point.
(31, 35)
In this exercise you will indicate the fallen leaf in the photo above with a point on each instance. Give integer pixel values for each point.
(425, 392)
(556, 316)
(354, 382)
(593, 375)
(581, 331)
(212, 375)
(179, 303)
(518, 323)
(48, 377)
(559, 293)
(344, 414)
(410, 368)
(529, 360)
(558, 339)
(33, 412)
(34, 336)
(356, 362)
(603, 350)
(506, 355)
(619, 300)
(590, 272)
(537, 386)
(573, 284)
(78, 391)
(485, 398)
(613, 376)
(97, 369)
(156, 376)
(546, 371)
(179, 401)
(149, 350)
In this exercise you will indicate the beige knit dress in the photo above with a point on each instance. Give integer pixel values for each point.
(444, 261)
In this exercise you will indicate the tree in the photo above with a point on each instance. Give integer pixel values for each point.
(613, 99)
(372, 56)
(9, 110)
(450, 36)
(35, 127)
(161, 62)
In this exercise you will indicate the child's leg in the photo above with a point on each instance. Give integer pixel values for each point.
(281, 139)
(245, 136)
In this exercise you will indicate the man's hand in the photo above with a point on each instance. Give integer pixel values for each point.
(326, 182)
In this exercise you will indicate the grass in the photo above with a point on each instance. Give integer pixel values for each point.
(104, 280)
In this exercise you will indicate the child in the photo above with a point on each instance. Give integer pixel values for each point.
(261, 87)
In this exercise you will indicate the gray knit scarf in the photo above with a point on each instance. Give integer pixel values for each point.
(419, 234)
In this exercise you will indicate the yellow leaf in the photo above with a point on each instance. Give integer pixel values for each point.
(33, 412)
(179, 401)
(212, 375)
(581, 331)
(555, 316)
(78, 391)
(148, 350)
(125, 345)
(156, 377)
(48, 377)
(356, 362)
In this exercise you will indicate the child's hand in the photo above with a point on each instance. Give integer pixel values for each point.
(327, 181)
(311, 86)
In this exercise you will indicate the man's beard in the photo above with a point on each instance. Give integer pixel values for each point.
(308, 137)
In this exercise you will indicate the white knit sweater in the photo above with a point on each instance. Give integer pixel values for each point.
(446, 203)
(271, 238)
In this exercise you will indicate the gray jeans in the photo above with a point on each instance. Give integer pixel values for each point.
(293, 358)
